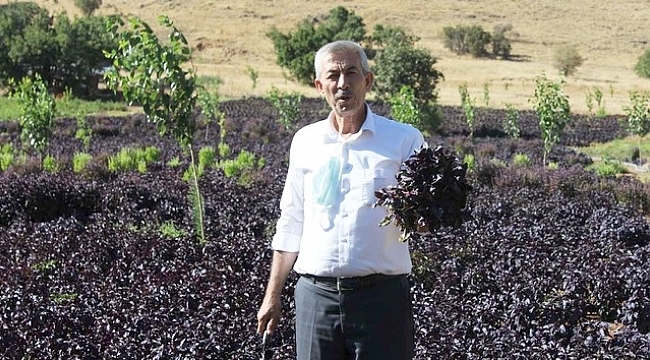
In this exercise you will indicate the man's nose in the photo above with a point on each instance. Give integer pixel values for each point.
(343, 82)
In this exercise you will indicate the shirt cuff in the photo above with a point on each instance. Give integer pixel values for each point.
(286, 242)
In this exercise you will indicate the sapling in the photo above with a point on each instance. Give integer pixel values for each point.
(38, 113)
(467, 104)
(152, 75)
(552, 107)
(405, 108)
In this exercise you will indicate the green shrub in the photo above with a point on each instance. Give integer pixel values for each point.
(606, 168)
(567, 59)
(6, 156)
(463, 40)
(79, 161)
(521, 159)
(470, 160)
(174, 162)
(207, 156)
(500, 43)
(224, 150)
(642, 67)
(169, 230)
(88, 7)
(50, 164)
(244, 167)
(133, 159)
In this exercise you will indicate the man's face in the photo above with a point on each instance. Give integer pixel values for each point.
(343, 83)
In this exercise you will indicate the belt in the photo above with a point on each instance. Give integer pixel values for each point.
(351, 283)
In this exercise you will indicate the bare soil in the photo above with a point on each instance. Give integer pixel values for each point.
(229, 37)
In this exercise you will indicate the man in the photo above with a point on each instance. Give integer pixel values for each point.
(352, 298)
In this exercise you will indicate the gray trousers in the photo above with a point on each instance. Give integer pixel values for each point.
(370, 323)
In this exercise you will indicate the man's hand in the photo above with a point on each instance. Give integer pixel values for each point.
(268, 315)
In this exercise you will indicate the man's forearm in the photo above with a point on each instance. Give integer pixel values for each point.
(280, 268)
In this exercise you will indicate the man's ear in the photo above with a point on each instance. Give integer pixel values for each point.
(369, 78)
(319, 86)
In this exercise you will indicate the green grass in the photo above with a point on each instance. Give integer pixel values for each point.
(10, 110)
(619, 149)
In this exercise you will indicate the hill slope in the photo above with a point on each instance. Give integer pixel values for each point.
(229, 37)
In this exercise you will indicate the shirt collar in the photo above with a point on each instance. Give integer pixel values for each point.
(368, 124)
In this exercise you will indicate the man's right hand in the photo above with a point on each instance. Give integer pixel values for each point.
(268, 315)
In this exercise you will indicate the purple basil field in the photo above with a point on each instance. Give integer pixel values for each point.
(554, 263)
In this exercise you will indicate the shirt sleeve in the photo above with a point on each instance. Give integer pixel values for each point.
(290, 225)
(416, 143)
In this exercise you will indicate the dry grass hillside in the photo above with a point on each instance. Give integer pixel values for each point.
(229, 37)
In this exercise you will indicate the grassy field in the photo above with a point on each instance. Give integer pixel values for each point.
(229, 38)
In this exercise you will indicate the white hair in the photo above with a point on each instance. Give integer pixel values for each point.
(340, 47)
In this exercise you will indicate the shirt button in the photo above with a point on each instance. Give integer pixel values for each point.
(345, 186)
(347, 168)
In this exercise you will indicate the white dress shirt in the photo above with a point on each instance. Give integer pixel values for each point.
(343, 238)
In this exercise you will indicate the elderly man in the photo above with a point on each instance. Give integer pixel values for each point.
(352, 297)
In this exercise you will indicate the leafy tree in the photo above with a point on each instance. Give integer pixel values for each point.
(567, 60)
(152, 74)
(642, 67)
(552, 107)
(80, 44)
(26, 42)
(88, 7)
(66, 53)
(296, 51)
(399, 63)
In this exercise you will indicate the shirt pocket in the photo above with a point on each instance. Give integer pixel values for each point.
(375, 180)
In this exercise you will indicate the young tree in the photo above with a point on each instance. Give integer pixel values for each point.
(287, 105)
(38, 112)
(404, 107)
(638, 114)
(153, 75)
(552, 107)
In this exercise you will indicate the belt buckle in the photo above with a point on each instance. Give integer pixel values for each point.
(345, 284)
